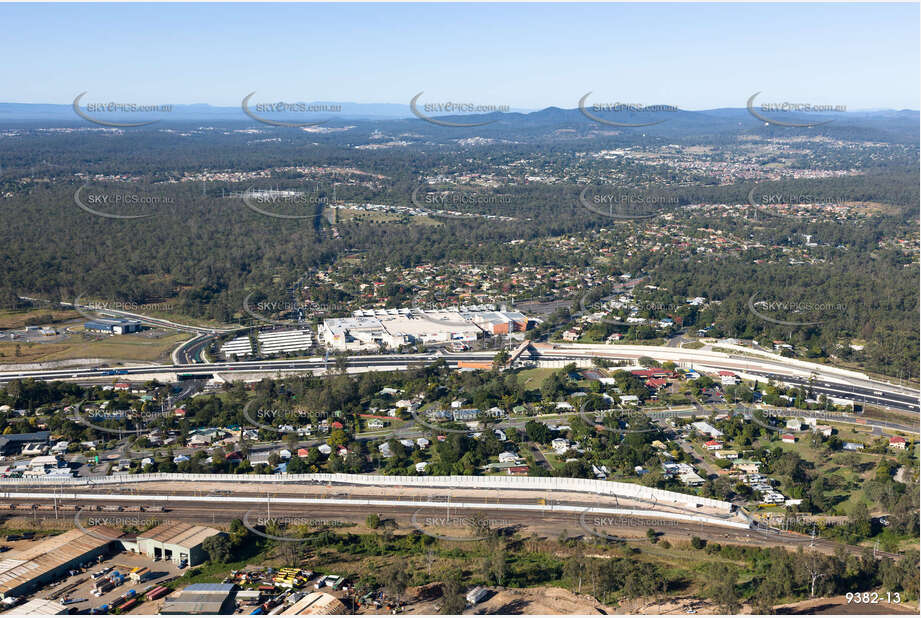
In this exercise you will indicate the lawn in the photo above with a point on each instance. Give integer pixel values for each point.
(533, 379)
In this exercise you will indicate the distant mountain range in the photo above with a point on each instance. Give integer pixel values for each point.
(201, 111)
(393, 111)
(900, 125)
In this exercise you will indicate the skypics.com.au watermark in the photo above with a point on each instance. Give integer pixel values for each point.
(113, 107)
(432, 424)
(454, 108)
(760, 198)
(284, 203)
(603, 526)
(763, 309)
(786, 107)
(141, 419)
(439, 203)
(275, 419)
(286, 528)
(257, 111)
(479, 526)
(98, 525)
(624, 205)
(89, 308)
(623, 108)
(123, 201)
(303, 311)
(442, 199)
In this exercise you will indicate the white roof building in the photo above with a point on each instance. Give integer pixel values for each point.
(368, 329)
(275, 342)
(241, 346)
(559, 444)
(707, 429)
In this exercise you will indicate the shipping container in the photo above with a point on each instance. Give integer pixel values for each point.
(127, 605)
(156, 593)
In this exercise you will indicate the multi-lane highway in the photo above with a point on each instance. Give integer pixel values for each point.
(820, 379)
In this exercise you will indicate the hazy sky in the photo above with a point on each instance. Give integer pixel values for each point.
(695, 56)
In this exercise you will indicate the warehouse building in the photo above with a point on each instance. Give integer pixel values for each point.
(369, 329)
(201, 600)
(11, 444)
(24, 571)
(41, 607)
(116, 326)
(174, 541)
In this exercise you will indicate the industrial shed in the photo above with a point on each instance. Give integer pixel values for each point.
(11, 444)
(41, 607)
(201, 599)
(119, 326)
(26, 570)
(174, 541)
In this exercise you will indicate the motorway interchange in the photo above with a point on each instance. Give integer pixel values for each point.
(821, 379)
(554, 513)
(189, 363)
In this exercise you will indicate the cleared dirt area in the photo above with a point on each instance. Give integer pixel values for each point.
(133, 347)
(541, 600)
(839, 605)
(680, 605)
(21, 319)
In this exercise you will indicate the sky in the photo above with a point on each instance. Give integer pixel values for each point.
(531, 56)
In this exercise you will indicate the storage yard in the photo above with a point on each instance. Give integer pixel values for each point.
(25, 570)
(88, 570)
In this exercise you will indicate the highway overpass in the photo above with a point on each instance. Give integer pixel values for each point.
(828, 380)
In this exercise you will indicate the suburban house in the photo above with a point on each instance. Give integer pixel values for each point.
(559, 444)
